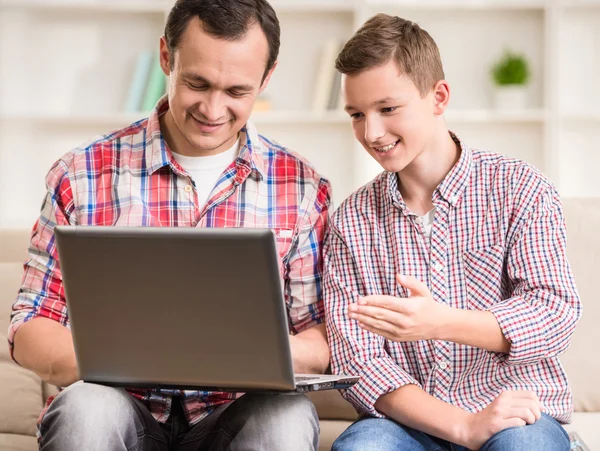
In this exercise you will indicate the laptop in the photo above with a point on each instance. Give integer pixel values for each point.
(180, 308)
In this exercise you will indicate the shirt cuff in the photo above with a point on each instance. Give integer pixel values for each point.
(379, 377)
(522, 328)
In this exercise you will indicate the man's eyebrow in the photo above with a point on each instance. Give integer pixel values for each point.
(201, 79)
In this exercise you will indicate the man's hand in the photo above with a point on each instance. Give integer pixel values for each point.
(310, 352)
(417, 317)
(510, 409)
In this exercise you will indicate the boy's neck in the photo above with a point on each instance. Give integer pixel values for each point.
(419, 180)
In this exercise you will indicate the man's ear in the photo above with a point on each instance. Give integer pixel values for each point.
(265, 82)
(441, 97)
(164, 56)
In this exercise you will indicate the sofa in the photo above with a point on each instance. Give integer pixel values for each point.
(22, 394)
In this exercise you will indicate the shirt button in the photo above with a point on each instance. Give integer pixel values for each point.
(188, 188)
(419, 220)
(454, 199)
(443, 365)
(438, 266)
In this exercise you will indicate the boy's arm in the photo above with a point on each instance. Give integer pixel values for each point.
(308, 341)
(353, 350)
(535, 323)
(437, 418)
(540, 317)
(38, 337)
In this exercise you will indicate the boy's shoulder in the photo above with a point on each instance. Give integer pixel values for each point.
(508, 172)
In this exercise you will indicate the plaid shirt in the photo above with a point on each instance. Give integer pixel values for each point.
(498, 244)
(129, 177)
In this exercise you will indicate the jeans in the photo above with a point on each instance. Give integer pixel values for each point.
(377, 434)
(93, 417)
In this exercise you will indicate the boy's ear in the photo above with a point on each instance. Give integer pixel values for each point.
(441, 96)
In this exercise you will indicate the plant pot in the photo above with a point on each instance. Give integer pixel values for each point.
(510, 97)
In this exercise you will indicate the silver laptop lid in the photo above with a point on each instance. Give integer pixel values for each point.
(186, 307)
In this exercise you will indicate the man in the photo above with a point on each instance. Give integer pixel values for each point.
(195, 162)
(447, 287)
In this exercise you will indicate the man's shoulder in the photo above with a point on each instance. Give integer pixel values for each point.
(101, 148)
(274, 155)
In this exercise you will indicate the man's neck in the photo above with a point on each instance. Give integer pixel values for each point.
(419, 180)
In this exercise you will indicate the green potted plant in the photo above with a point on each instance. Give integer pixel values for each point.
(510, 75)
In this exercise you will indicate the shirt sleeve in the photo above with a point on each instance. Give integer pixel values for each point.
(355, 351)
(42, 293)
(303, 284)
(540, 317)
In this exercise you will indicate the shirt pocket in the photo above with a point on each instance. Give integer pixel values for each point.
(484, 270)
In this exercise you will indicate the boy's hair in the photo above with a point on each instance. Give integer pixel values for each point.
(224, 19)
(383, 38)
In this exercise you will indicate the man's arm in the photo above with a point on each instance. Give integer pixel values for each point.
(38, 337)
(303, 281)
(310, 352)
(46, 348)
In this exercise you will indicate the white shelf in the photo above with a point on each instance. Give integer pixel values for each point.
(496, 116)
(122, 120)
(292, 117)
(584, 116)
(130, 6)
(312, 6)
(458, 4)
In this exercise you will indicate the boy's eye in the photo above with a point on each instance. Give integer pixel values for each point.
(355, 115)
(388, 109)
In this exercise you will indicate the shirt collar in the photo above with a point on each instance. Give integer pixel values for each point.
(451, 188)
(158, 154)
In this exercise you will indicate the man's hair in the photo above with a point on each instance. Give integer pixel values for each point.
(386, 38)
(224, 19)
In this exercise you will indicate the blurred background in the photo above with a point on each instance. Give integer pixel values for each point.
(523, 76)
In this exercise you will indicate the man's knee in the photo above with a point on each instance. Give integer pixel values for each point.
(83, 413)
(277, 421)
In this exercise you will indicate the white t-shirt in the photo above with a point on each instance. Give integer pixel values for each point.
(205, 171)
(427, 219)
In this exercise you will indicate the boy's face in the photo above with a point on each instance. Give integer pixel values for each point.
(389, 117)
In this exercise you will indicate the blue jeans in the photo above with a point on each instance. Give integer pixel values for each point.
(377, 434)
(93, 417)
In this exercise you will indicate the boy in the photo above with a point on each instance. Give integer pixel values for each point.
(447, 287)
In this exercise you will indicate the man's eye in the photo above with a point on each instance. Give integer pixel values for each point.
(197, 87)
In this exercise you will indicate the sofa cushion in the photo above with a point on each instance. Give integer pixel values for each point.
(20, 389)
(583, 249)
(331, 406)
(14, 442)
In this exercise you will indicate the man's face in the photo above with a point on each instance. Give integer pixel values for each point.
(212, 87)
(389, 117)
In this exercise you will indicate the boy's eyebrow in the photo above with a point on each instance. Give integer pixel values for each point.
(201, 79)
(377, 102)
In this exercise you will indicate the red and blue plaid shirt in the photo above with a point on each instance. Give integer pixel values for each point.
(498, 244)
(130, 178)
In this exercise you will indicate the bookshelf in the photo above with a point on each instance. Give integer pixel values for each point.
(66, 65)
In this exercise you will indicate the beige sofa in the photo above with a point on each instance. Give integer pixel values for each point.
(22, 394)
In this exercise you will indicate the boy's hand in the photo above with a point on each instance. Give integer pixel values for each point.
(417, 317)
(510, 409)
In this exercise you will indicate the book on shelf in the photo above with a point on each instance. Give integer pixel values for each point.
(262, 104)
(147, 85)
(328, 80)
